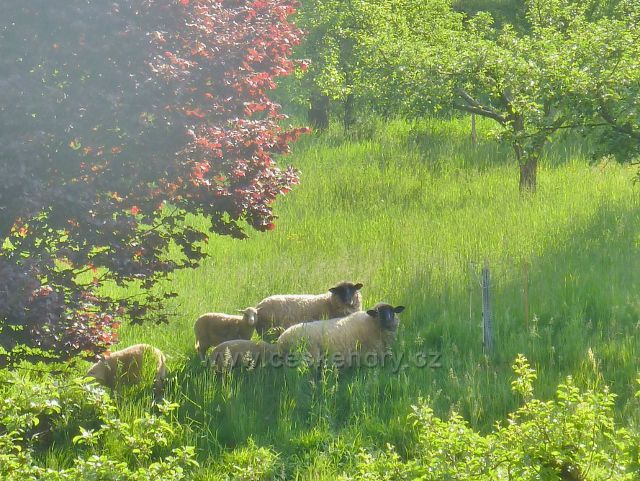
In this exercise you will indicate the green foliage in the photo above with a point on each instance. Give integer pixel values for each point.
(608, 86)
(341, 57)
(409, 209)
(35, 412)
(566, 64)
(251, 463)
(353, 48)
(572, 437)
(503, 11)
(525, 376)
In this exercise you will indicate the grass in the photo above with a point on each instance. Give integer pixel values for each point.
(413, 210)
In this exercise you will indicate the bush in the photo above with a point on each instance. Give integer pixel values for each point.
(33, 412)
(125, 119)
(570, 438)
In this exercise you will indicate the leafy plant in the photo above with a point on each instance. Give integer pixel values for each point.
(119, 120)
(65, 405)
(570, 65)
(572, 438)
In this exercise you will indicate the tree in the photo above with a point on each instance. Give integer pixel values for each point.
(118, 120)
(524, 79)
(608, 87)
(340, 56)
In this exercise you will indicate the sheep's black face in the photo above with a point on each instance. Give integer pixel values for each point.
(346, 292)
(386, 315)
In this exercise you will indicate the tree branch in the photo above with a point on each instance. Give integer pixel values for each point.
(626, 129)
(475, 107)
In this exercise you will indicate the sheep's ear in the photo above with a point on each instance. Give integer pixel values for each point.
(241, 310)
(358, 286)
(372, 313)
(333, 290)
(398, 309)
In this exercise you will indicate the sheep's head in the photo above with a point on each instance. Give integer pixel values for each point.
(347, 292)
(101, 371)
(250, 315)
(386, 315)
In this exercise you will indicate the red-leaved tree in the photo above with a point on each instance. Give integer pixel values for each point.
(117, 120)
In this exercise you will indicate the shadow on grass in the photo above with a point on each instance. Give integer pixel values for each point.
(584, 297)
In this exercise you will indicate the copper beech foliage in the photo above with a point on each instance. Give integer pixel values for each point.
(118, 120)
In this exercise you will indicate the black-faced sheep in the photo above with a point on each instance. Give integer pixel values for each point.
(359, 336)
(286, 310)
(240, 352)
(126, 366)
(213, 328)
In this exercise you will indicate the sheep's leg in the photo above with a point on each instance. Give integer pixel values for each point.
(158, 389)
(202, 354)
(203, 347)
(131, 369)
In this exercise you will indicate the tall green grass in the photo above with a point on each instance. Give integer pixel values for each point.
(413, 210)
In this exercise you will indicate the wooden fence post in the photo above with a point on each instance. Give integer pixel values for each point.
(471, 286)
(525, 291)
(474, 134)
(487, 323)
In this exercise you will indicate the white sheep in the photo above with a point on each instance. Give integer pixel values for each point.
(214, 327)
(354, 338)
(286, 310)
(240, 352)
(126, 366)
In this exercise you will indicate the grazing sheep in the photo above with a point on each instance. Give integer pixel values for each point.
(126, 366)
(357, 337)
(286, 310)
(241, 352)
(213, 328)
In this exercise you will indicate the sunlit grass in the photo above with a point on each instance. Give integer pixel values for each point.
(413, 211)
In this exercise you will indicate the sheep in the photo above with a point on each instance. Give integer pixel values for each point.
(126, 366)
(355, 337)
(286, 310)
(213, 328)
(240, 352)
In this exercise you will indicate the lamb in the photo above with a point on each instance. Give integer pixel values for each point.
(345, 340)
(126, 366)
(286, 310)
(213, 328)
(240, 352)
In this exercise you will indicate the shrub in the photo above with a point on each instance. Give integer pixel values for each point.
(572, 437)
(32, 412)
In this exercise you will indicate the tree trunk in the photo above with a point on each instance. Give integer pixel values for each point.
(527, 158)
(318, 114)
(528, 173)
(347, 62)
(349, 112)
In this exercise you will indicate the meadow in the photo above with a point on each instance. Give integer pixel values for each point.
(413, 210)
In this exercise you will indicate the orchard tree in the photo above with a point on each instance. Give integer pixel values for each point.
(513, 78)
(608, 85)
(340, 56)
(118, 120)
(525, 79)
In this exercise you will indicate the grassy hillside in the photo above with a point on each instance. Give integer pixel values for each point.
(413, 211)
